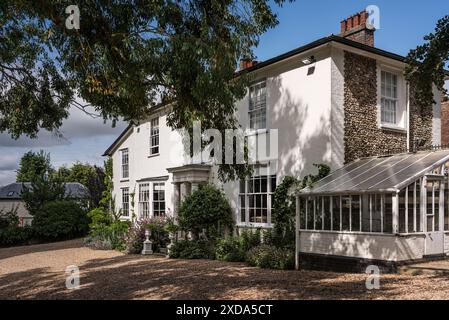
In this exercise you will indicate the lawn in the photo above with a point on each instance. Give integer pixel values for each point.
(38, 272)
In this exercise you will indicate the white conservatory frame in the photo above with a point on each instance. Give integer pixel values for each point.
(406, 240)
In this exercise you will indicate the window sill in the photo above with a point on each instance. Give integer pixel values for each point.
(124, 180)
(254, 132)
(153, 155)
(392, 127)
(254, 225)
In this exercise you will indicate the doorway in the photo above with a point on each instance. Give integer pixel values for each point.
(434, 213)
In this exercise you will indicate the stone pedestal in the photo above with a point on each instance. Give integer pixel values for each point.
(147, 244)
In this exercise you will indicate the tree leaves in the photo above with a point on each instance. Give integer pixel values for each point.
(426, 64)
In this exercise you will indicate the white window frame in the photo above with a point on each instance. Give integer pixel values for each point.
(400, 124)
(125, 204)
(158, 202)
(124, 154)
(246, 195)
(154, 137)
(389, 117)
(144, 200)
(257, 106)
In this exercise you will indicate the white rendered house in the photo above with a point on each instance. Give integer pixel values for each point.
(332, 101)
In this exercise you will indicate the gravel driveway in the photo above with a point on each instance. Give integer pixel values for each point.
(38, 272)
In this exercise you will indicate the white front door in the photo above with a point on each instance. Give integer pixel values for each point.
(434, 203)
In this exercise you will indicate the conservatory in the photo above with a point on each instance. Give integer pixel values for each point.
(391, 208)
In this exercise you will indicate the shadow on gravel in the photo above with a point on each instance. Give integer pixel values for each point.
(138, 277)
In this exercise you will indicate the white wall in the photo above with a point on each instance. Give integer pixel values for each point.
(142, 165)
(7, 205)
(359, 245)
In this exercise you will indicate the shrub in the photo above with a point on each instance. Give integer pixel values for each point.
(109, 237)
(136, 236)
(186, 249)
(61, 219)
(266, 256)
(206, 209)
(234, 248)
(98, 218)
(14, 235)
(230, 249)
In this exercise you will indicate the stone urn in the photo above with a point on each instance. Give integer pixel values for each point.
(147, 244)
(172, 237)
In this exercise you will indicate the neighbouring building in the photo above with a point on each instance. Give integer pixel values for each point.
(11, 198)
(333, 101)
(445, 121)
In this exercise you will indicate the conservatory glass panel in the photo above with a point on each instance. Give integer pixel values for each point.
(388, 214)
(318, 225)
(355, 213)
(376, 214)
(411, 198)
(327, 213)
(402, 211)
(310, 213)
(418, 220)
(346, 212)
(336, 213)
(366, 213)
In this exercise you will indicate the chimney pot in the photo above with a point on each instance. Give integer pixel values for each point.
(354, 28)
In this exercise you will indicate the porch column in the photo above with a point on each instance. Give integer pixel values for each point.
(194, 186)
(176, 199)
(184, 190)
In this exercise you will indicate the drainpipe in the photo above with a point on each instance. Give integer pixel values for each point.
(408, 116)
(297, 234)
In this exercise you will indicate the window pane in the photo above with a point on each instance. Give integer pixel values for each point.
(411, 207)
(365, 213)
(327, 213)
(355, 212)
(310, 210)
(402, 212)
(376, 203)
(336, 213)
(388, 214)
(319, 214)
(346, 205)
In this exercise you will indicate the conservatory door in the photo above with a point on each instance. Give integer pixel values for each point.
(434, 213)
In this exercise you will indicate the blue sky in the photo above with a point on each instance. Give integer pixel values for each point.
(403, 24)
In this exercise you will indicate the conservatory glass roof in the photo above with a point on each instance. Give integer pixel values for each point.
(379, 174)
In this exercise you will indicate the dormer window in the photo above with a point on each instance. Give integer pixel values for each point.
(389, 97)
(258, 106)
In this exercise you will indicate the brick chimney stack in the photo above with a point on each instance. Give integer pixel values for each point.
(355, 28)
(247, 63)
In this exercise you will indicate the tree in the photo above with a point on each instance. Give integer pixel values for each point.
(206, 209)
(127, 57)
(34, 165)
(42, 190)
(90, 176)
(426, 64)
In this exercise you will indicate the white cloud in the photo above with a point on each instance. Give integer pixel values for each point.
(84, 139)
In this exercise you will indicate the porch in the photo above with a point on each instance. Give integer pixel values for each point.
(186, 179)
